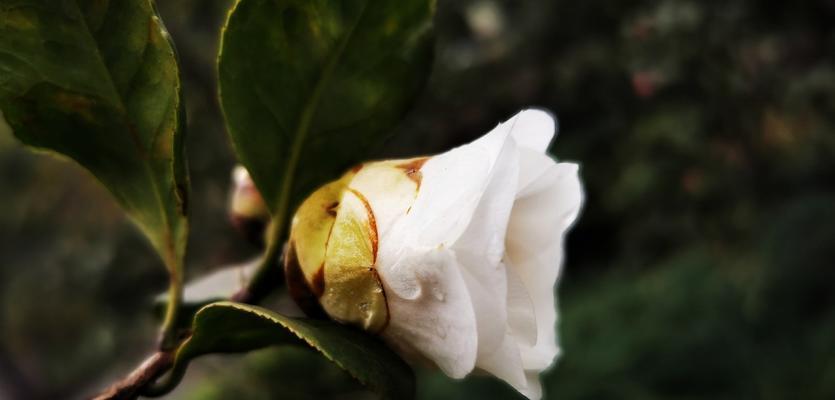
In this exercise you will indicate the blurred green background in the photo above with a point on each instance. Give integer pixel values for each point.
(701, 268)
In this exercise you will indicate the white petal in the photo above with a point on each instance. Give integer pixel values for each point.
(451, 298)
(430, 310)
(453, 182)
(532, 166)
(452, 187)
(542, 214)
(487, 292)
(389, 191)
(481, 247)
(533, 390)
(505, 363)
(507, 366)
(533, 129)
(521, 316)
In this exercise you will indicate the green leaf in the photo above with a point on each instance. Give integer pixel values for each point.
(227, 327)
(309, 86)
(98, 82)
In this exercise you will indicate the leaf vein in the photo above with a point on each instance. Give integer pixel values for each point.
(308, 113)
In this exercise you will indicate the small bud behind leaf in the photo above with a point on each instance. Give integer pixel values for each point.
(247, 210)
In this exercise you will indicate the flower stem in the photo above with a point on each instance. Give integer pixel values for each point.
(268, 275)
(169, 336)
(143, 380)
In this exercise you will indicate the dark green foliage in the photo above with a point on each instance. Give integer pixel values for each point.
(308, 87)
(734, 326)
(226, 327)
(98, 81)
(296, 373)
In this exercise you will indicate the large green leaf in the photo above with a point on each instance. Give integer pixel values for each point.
(227, 327)
(97, 81)
(309, 86)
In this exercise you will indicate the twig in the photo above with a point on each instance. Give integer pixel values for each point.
(268, 277)
(147, 372)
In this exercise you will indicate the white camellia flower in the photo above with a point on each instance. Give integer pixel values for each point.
(451, 259)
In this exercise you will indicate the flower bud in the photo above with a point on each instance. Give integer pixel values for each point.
(334, 240)
(451, 259)
(247, 210)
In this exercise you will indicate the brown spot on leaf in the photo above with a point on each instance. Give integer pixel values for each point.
(372, 222)
(412, 169)
(76, 104)
(357, 168)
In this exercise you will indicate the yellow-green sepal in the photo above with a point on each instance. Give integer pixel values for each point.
(329, 263)
(353, 291)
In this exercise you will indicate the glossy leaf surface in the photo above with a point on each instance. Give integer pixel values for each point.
(97, 81)
(227, 327)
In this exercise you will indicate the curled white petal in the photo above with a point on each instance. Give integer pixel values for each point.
(541, 215)
(432, 315)
(481, 247)
(533, 129)
(452, 187)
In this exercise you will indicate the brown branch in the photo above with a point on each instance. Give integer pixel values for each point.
(146, 373)
(268, 277)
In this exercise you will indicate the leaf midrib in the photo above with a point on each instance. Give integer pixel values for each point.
(294, 328)
(168, 246)
(306, 119)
